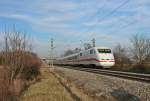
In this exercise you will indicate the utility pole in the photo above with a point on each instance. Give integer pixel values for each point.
(52, 47)
(93, 42)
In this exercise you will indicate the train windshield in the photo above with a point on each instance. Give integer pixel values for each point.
(104, 50)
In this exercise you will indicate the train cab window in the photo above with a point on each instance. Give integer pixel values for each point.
(104, 50)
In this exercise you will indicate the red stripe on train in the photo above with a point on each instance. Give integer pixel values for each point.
(91, 59)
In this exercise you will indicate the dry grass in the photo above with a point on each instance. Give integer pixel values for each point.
(48, 89)
(6, 94)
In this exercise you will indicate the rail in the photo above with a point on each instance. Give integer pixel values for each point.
(127, 75)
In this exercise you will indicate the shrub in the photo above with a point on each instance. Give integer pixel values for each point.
(25, 66)
(32, 68)
(141, 68)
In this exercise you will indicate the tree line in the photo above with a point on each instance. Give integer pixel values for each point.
(135, 56)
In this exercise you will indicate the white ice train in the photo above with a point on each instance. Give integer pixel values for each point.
(96, 56)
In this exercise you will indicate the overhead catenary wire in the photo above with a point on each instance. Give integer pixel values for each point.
(109, 14)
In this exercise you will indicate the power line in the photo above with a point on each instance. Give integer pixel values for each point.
(110, 13)
(105, 16)
(97, 12)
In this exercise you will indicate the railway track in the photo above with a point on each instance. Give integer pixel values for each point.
(126, 75)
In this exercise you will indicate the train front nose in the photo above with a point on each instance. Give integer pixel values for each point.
(106, 60)
(107, 63)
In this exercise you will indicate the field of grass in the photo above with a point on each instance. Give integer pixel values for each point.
(47, 89)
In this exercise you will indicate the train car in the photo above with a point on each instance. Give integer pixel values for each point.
(68, 60)
(96, 56)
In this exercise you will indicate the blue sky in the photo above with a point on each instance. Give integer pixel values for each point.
(72, 22)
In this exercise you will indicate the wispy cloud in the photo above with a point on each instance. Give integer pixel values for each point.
(83, 19)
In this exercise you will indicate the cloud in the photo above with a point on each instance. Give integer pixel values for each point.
(54, 6)
(83, 19)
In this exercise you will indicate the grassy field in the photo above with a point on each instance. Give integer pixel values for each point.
(48, 89)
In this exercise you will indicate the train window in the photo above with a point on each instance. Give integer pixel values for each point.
(80, 54)
(94, 51)
(91, 51)
(104, 50)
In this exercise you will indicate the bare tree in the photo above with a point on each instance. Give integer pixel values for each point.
(68, 52)
(14, 53)
(77, 50)
(87, 46)
(121, 56)
(71, 51)
(19, 64)
(140, 48)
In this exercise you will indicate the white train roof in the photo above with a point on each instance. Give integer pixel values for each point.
(76, 54)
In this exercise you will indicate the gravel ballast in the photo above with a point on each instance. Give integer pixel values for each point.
(107, 88)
